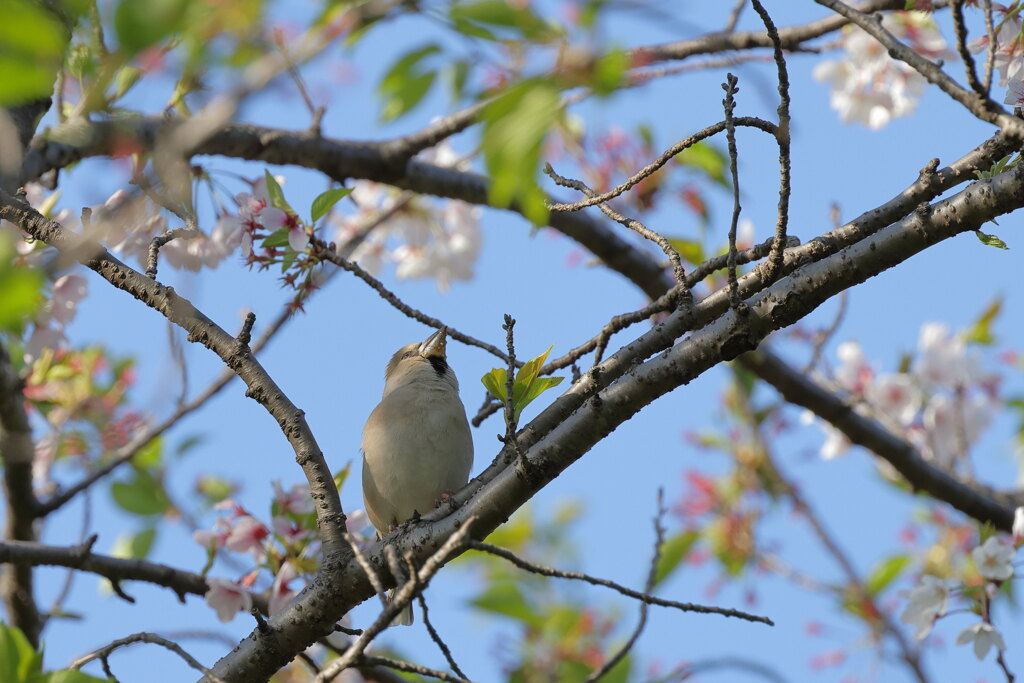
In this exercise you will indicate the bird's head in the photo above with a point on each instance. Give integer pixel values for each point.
(424, 362)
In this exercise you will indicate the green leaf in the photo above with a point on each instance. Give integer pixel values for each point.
(619, 672)
(981, 330)
(609, 72)
(515, 126)
(325, 200)
(990, 240)
(457, 73)
(67, 676)
(704, 157)
(495, 383)
(125, 80)
(691, 250)
(276, 195)
(491, 15)
(527, 385)
(22, 289)
(189, 443)
(504, 597)
(140, 25)
(141, 543)
(536, 388)
(884, 573)
(142, 495)
(406, 83)
(150, 454)
(278, 238)
(342, 475)
(32, 44)
(673, 552)
(18, 659)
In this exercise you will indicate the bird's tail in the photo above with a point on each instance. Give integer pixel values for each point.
(404, 617)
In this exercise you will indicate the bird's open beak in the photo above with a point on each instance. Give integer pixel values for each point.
(434, 345)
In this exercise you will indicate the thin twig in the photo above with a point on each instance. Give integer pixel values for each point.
(326, 252)
(666, 156)
(402, 597)
(729, 105)
(511, 420)
(370, 573)
(652, 572)
(990, 54)
(629, 592)
(408, 667)
(773, 267)
(734, 16)
(436, 637)
(145, 637)
(960, 29)
(631, 223)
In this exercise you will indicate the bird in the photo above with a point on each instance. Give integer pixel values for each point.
(417, 447)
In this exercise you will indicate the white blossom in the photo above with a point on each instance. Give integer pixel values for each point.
(870, 87)
(943, 360)
(1018, 525)
(928, 601)
(984, 637)
(895, 396)
(853, 373)
(994, 560)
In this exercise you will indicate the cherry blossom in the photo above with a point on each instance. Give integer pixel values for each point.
(953, 424)
(296, 500)
(943, 359)
(1015, 92)
(1009, 57)
(215, 539)
(870, 87)
(854, 373)
(984, 637)
(247, 534)
(895, 396)
(227, 598)
(994, 560)
(928, 601)
(1018, 525)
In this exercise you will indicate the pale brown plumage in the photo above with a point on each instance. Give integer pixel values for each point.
(416, 443)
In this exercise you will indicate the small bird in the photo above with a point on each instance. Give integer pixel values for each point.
(417, 447)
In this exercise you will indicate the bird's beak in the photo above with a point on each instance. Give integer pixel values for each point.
(434, 345)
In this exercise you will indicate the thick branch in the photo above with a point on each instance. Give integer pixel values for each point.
(16, 454)
(984, 505)
(115, 569)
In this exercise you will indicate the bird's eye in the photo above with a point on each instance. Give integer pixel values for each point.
(409, 354)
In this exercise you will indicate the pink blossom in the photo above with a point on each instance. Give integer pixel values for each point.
(247, 534)
(296, 500)
(227, 598)
(68, 291)
(215, 539)
(289, 531)
(895, 396)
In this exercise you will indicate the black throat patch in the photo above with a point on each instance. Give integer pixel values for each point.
(439, 363)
